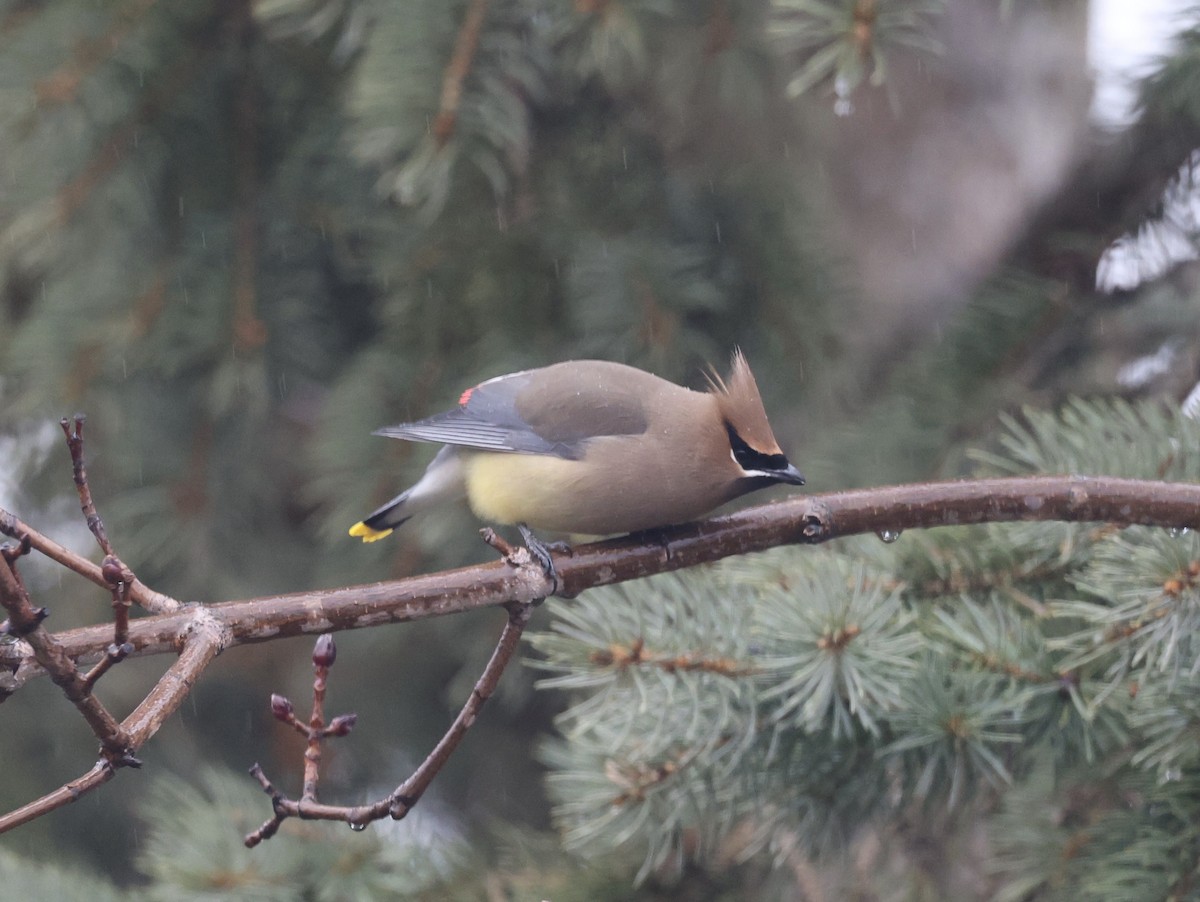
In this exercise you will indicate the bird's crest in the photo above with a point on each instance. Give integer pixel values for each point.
(741, 405)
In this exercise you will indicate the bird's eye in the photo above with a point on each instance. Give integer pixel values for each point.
(751, 460)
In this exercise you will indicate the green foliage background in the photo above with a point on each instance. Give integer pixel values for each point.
(242, 235)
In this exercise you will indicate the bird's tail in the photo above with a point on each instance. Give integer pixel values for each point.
(381, 523)
(442, 482)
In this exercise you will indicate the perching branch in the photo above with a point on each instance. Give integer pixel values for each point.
(808, 520)
(199, 632)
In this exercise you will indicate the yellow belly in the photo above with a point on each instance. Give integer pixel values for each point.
(614, 492)
(522, 488)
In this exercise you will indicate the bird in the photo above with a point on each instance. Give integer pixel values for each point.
(592, 448)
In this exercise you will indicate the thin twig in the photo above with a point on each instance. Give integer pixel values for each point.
(100, 774)
(112, 655)
(86, 504)
(323, 657)
(270, 826)
(139, 592)
(25, 621)
(401, 800)
(405, 796)
(204, 643)
(117, 577)
(316, 731)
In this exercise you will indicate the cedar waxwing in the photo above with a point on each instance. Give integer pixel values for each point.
(591, 447)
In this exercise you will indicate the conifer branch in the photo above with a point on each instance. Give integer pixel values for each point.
(249, 331)
(62, 85)
(957, 583)
(116, 146)
(636, 779)
(996, 664)
(635, 654)
(459, 66)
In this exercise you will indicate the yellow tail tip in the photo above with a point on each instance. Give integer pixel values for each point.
(367, 534)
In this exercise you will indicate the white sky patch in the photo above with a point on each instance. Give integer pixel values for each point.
(22, 452)
(1141, 372)
(1191, 404)
(1161, 244)
(1126, 41)
(1126, 38)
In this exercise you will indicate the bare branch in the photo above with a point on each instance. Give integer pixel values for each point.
(206, 638)
(807, 520)
(114, 575)
(100, 774)
(401, 800)
(407, 794)
(316, 731)
(139, 592)
(25, 621)
(204, 643)
(199, 632)
(75, 446)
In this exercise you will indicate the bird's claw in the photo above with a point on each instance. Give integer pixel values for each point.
(541, 553)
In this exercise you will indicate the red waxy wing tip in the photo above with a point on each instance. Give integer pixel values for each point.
(466, 396)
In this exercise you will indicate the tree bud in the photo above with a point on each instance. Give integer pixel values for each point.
(281, 708)
(324, 652)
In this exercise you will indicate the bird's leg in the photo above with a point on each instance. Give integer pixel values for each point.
(541, 552)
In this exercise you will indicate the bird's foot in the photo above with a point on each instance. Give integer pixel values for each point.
(541, 552)
(538, 550)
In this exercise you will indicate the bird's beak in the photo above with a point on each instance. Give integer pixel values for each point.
(790, 475)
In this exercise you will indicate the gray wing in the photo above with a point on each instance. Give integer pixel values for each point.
(544, 411)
